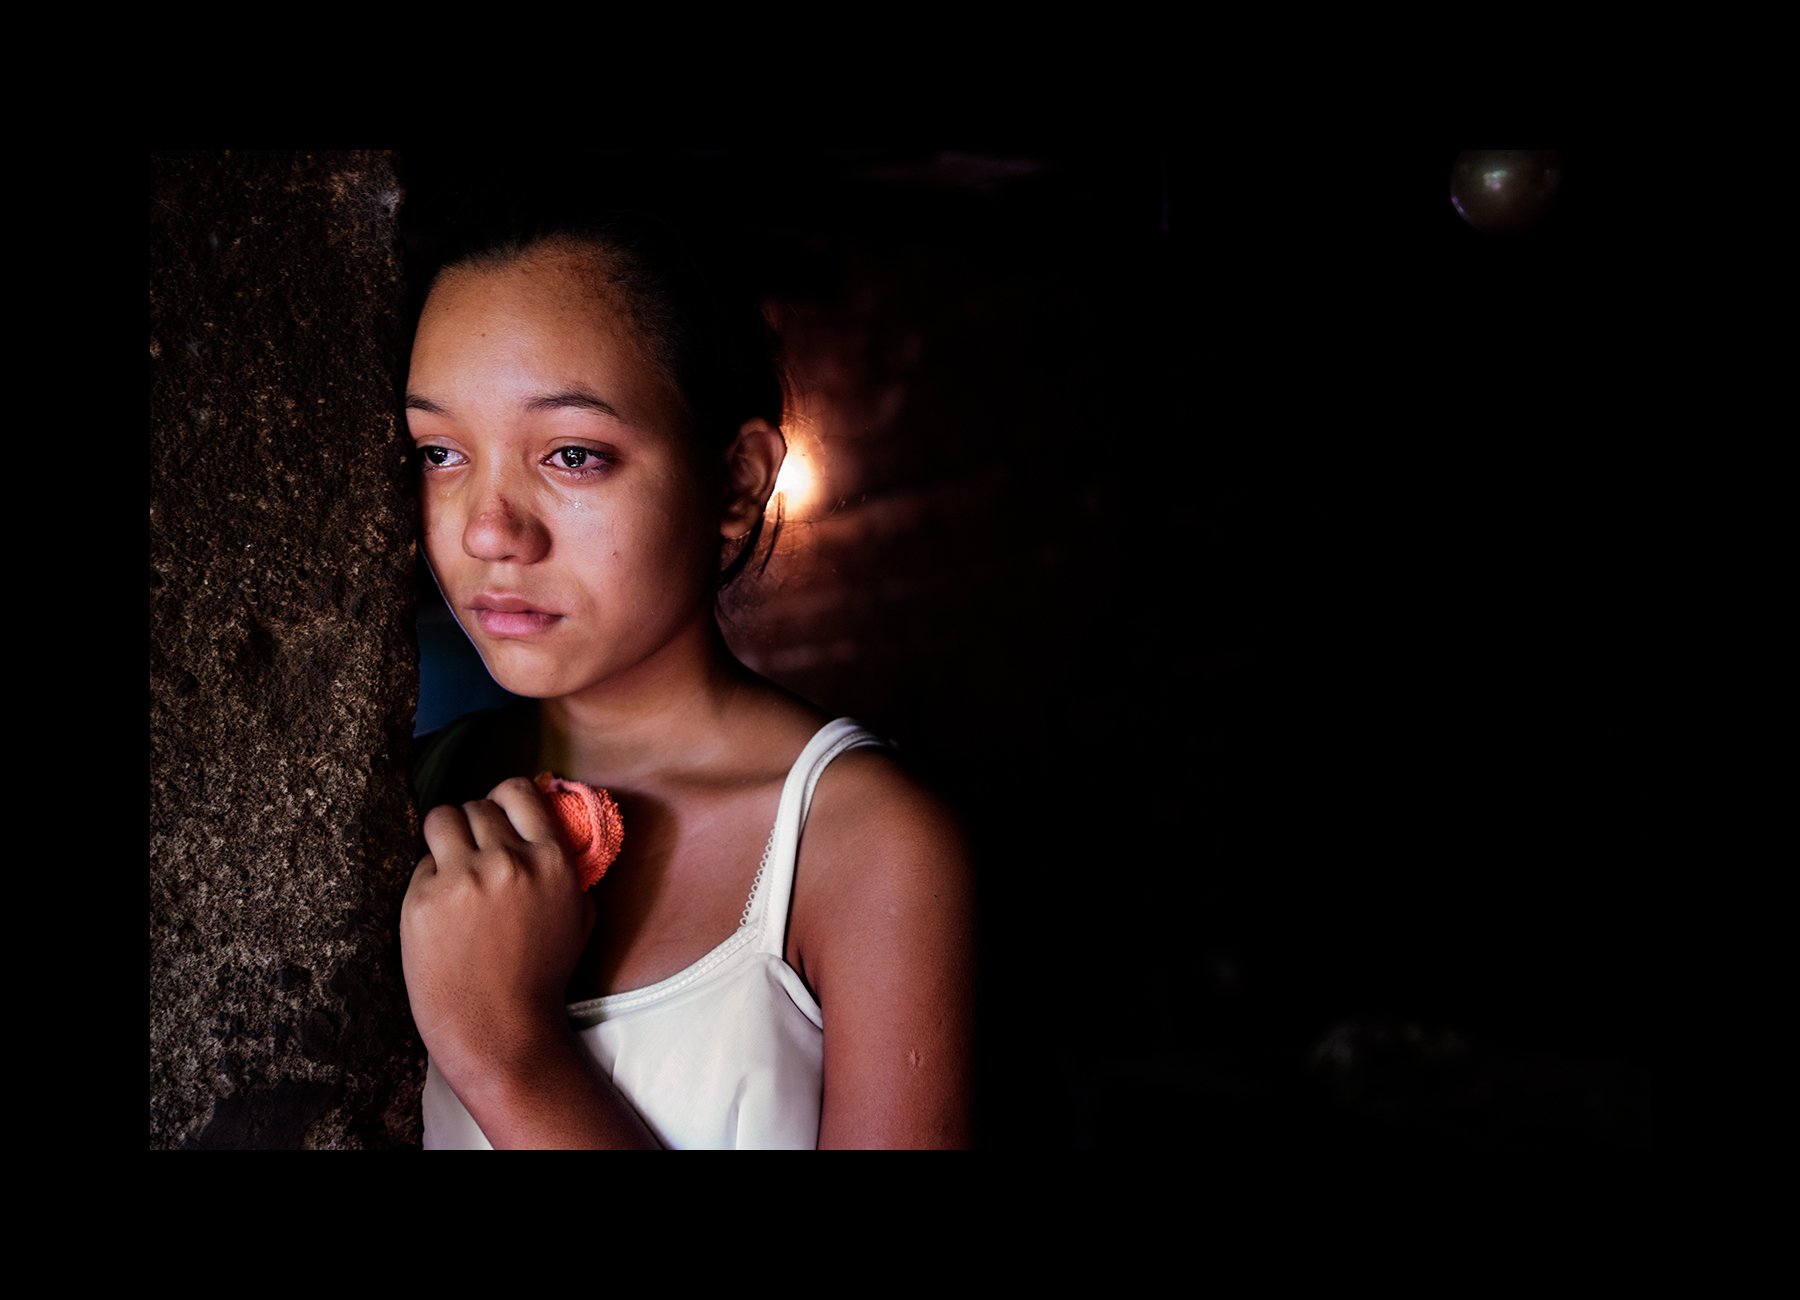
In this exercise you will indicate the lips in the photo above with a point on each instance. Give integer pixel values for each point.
(501, 614)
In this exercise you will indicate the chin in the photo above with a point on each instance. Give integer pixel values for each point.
(521, 679)
(530, 686)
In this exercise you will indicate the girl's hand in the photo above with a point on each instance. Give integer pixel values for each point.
(493, 925)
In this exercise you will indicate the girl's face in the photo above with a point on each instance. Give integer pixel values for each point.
(566, 514)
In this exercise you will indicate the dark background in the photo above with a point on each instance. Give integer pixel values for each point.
(1232, 534)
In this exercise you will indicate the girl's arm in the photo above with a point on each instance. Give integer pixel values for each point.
(884, 923)
(492, 927)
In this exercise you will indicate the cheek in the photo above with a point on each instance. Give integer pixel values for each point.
(583, 530)
(436, 536)
(668, 530)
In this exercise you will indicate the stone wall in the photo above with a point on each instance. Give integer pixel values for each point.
(282, 658)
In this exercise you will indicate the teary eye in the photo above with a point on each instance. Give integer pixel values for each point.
(580, 463)
(438, 457)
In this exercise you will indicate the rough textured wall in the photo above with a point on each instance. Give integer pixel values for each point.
(282, 661)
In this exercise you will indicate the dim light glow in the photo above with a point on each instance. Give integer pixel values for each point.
(797, 484)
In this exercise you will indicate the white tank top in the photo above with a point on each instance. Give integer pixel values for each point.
(730, 1052)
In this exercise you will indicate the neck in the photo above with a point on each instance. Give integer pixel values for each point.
(670, 715)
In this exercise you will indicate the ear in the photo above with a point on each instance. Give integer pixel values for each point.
(752, 463)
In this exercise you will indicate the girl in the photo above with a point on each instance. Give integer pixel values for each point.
(781, 954)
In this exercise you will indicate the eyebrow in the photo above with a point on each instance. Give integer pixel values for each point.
(578, 398)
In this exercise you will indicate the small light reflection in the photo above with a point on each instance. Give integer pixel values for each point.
(798, 482)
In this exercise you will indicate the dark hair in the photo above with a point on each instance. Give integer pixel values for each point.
(716, 348)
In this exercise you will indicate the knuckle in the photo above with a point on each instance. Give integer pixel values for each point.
(441, 814)
(504, 863)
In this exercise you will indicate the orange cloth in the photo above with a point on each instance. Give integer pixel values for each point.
(590, 822)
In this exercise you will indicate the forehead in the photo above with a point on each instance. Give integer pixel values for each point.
(563, 288)
(544, 321)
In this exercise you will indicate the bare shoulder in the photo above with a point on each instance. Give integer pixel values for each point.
(878, 838)
(882, 930)
(870, 790)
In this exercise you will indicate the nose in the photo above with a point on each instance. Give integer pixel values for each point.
(501, 531)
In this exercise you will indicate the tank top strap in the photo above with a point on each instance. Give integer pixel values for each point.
(773, 893)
